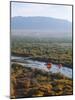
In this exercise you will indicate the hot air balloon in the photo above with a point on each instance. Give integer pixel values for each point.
(59, 66)
(49, 65)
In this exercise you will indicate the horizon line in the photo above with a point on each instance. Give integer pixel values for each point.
(43, 17)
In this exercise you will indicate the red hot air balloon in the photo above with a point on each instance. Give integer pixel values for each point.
(49, 65)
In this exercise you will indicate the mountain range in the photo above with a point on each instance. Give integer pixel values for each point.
(44, 25)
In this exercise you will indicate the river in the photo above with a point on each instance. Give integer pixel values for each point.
(26, 61)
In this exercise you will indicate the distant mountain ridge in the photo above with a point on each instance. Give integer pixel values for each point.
(40, 23)
(41, 27)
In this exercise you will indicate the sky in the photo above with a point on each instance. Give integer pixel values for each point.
(45, 10)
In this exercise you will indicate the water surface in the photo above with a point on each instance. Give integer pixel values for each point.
(26, 61)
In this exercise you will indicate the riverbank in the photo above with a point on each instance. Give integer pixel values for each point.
(54, 61)
(32, 82)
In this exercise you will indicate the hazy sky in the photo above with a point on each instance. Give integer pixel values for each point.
(31, 9)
